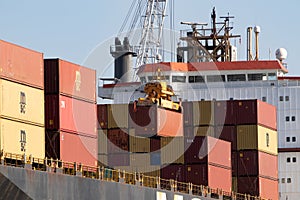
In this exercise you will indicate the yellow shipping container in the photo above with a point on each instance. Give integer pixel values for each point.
(139, 144)
(20, 138)
(22, 103)
(257, 137)
(117, 115)
(140, 159)
(203, 113)
(204, 131)
(172, 150)
(102, 141)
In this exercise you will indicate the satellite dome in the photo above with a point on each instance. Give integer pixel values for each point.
(281, 54)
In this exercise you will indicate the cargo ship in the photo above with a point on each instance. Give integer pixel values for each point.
(218, 138)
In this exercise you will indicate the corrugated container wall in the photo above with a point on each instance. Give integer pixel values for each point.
(139, 144)
(257, 163)
(172, 150)
(225, 113)
(102, 142)
(71, 147)
(257, 137)
(203, 113)
(187, 113)
(175, 172)
(62, 77)
(102, 116)
(21, 65)
(207, 150)
(117, 115)
(254, 112)
(71, 115)
(227, 133)
(258, 186)
(20, 138)
(118, 141)
(139, 159)
(22, 103)
(204, 131)
(169, 123)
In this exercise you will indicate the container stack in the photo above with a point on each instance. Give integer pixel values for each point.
(70, 109)
(257, 149)
(22, 101)
(250, 126)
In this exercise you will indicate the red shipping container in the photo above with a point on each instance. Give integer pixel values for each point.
(227, 133)
(152, 120)
(102, 116)
(207, 150)
(257, 163)
(209, 175)
(21, 65)
(120, 159)
(258, 186)
(63, 77)
(254, 112)
(187, 113)
(118, 141)
(174, 171)
(71, 147)
(225, 113)
(154, 144)
(71, 115)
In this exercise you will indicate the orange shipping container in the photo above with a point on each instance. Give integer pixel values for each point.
(20, 138)
(22, 103)
(21, 65)
(63, 77)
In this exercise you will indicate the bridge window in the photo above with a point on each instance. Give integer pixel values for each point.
(143, 79)
(196, 79)
(272, 76)
(257, 77)
(179, 79)
(236, 77)
(216, 78)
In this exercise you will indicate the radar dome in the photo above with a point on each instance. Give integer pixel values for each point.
(257, 29)
(281, 54)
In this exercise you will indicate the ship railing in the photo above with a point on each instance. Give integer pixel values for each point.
(113, 175)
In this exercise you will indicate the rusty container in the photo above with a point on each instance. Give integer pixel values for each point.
(257, 163)
(203, 113)
(207, 150)
(69, 79)
(209, 175)
(70, 147)
(151, 121)
(102, 116)
(227, 133)
(187, 107)
(118, 141)
(176, 172)
(21, 65)
(70, 115)
(254, 112)
(172, 150)
(225, 113)
(258, 186)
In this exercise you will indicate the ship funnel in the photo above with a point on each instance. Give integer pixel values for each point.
(257, 31)
(123, 54)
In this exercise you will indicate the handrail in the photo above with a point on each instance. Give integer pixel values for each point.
(114, 175)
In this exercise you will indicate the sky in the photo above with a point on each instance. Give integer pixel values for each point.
(81, 31)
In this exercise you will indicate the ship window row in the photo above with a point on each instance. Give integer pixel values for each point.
(288, 180)
(281, 98)
(288, 139)
(289, 159)
(214, 78)
(288, 118)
